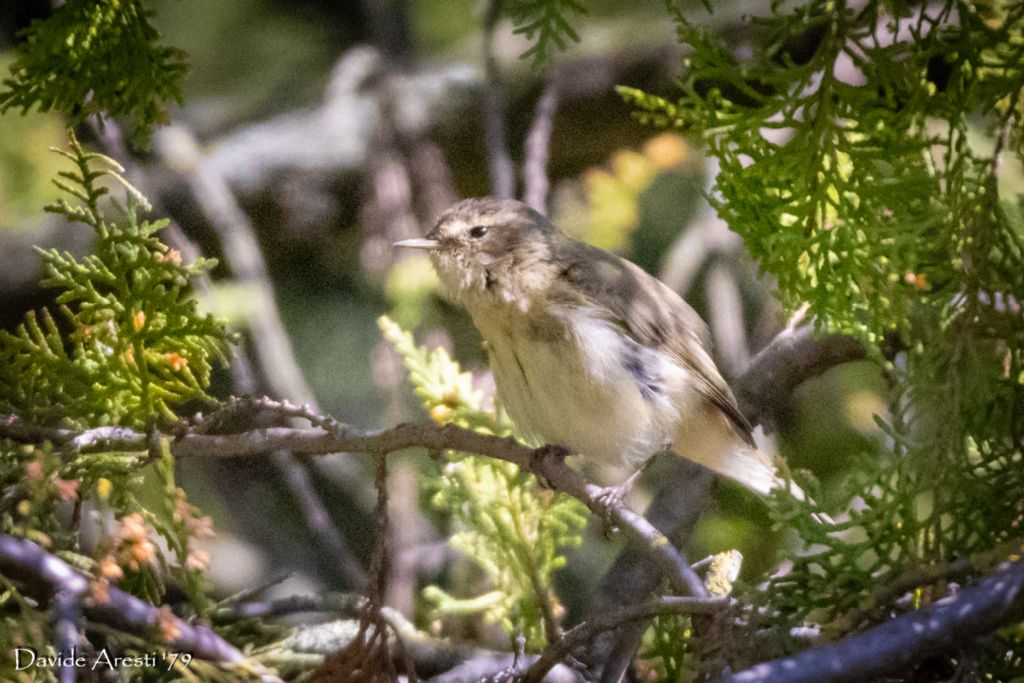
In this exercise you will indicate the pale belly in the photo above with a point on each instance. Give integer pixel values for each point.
(590, 388)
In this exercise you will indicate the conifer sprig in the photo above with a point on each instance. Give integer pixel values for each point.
(131, 344)
(855, 165)
(513, 531)
(93, 57)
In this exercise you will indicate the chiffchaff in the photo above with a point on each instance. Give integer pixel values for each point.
(588, 350)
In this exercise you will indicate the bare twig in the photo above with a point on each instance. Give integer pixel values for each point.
(538, 149)
(706, 236)
(180, 151)
(503, 179)
(409, 180)
(367, 657)
(387, 212)
(381, 553)
(429, 654)
(675, 510)
(342, 603)
(893, 646)
(491, 667)
(44, 575)
(407, 529)
(318, 518)
(334, 138)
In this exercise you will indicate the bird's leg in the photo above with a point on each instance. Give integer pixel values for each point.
(611, 496)
(542, 453)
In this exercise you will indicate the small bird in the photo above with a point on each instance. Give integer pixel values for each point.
(588, 351)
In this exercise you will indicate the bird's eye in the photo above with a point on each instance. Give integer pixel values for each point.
(478, 231)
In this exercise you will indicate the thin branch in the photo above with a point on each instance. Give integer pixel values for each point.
(430, 655)
(44, 576)
(890, 648)
(341, 603)
(179, 150)
(318, 519)
(381, 554)
(706, 236)
(407, 527)
(333, 139)
(677, 506)
(492, 667)
(503, 179)
(584, 632)
(330, 436)
(538, 149)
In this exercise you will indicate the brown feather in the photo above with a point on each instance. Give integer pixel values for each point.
(649, 312)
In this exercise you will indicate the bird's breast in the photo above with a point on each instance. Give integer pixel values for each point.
(571, 377)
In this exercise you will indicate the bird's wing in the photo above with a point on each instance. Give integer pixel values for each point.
(651, 313)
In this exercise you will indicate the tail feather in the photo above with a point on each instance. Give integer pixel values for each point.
(715, 445)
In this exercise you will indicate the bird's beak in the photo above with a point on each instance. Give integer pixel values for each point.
(418, 243)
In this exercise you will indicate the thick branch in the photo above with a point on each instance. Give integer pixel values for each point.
(44, 576)
(794, 356)
(891, 647)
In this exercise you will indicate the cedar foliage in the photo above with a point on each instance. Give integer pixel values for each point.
(95, 57)
(128, 348)
(862, 152)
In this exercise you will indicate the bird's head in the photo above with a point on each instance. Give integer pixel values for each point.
(487, 247)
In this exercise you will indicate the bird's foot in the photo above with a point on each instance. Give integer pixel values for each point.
(611, 497)
(546, 452)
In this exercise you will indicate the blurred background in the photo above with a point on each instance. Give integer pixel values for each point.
(315, 133)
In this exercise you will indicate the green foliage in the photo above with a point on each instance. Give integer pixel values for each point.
(93, 56)
(546, 23)
(133, 345)
(129, 347)
(855, 165)
(510, 528)
(855, 183)
(667, 650)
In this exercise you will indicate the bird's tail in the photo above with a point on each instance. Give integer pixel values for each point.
(716, 445)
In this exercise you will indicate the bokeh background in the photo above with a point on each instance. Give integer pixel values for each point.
(313, 134)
